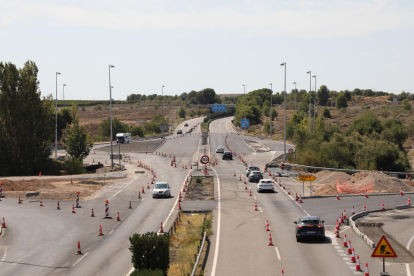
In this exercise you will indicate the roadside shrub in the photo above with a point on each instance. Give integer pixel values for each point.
(199, 179)
(150, 251)
(326, 113)
(385, 113)
(97, 107)
(406, 104)
(147, 272)
(137, 131)
(75, 166)
(366, 107)
(341, 101)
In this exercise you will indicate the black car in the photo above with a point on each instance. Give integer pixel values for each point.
(311, 227)
(227, 155)
(255, 176)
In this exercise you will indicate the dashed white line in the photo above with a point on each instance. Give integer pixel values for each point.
(80, 259)
(124, 187)
(261, 210)
(277, 252)
(4, 255)
(111, 232)
(254, 197)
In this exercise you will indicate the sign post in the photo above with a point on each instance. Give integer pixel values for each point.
(384, 250)
(307, 177)
(282, 167)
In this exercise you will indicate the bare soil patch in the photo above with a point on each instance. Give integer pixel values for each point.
(200, 191)
(257, 146)
(59, 189)
(136, 146)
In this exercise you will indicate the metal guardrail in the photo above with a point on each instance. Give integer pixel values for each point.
(199, 254)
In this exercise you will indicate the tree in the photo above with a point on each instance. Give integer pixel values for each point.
(341, 101)
(182, 113)
(150, 251)
(77, 143)
(323, 95)
(266, 108)
(326, 113)
(367, 123)
(406, 104)
(27, 123)
(357, 92)
(199, 113)
(347, 95)
(191, 113)
(137, 131)
(274, 114)
(267, 128)
(117, 127)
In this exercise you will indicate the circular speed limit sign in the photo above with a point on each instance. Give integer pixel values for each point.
(205, 159)
(290, 150)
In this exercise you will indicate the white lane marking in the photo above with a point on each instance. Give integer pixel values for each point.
(143, 198)
(407, 267)
(278, 255)
(213, 272)
(176, 201)
(132, 270)
(249, 147)
(291, 197)
(4, 256)
(111, 232)
(254, 197)
(409, 242)
(261, 210)
(124, 187)
(80, 259)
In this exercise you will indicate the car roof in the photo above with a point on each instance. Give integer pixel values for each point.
(265, 180)
(220, 147)
(253, 167)
(310, 218)
(161, 183)
(227, 152)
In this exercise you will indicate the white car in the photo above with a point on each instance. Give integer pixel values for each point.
(219, 150)
(265, 185)
(161, 189)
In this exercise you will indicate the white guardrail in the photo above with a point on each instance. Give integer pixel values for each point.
(199, 254)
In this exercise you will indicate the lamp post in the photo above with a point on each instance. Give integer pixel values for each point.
(314, 107)
(244, 112)
(162, 108)
(310, 96)
(64, 94)
(284, 116)
(295, 94)
(271, 119)
(110, 114)
(57, 73)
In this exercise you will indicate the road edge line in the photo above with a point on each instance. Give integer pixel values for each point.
(213, 270)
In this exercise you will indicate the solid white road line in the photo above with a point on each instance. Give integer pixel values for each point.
(124, 187)
(4, 256)
(111, 232)
(409, 242)
(407, 266)
(249, 146)
(278, 255)
(80, 259)
(213, 270)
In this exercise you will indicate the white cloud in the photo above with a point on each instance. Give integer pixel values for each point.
(297, 19)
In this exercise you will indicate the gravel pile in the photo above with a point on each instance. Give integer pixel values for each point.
(328, 177)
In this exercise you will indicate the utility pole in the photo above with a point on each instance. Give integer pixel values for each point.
(244, 112)
(162, 108)
(310, 96)
(110, 115)
(271, 119)
(314, 107)
(284, 117)
(57, 73)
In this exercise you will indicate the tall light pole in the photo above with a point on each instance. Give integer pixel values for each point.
(64, 94)
(110, 114)
(271, 119)
(244, 112)
(314, 107)
(284, 117)
(162, 108)
(57, 73)
(295, 94)
(310, 96)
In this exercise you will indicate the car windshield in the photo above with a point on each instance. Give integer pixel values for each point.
(266, 182)
(161, 186)
(309, 222)
(220, 148)
(253, 168)
(227, 152)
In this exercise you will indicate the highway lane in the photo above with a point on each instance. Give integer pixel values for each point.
(280, 210)
(44, 240)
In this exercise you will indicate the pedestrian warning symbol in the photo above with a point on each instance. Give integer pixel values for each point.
(383, 249)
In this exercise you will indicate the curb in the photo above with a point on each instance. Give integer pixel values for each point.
(384, 194)
(362, 214)
(159, 145)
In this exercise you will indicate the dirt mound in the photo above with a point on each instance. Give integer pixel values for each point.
(328, 177)
(25, 185)
(383, 183)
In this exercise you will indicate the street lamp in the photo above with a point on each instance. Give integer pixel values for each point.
(162, 108)
(110, 114)
(295, 94)
(310, 96)
(271, 119)
(64, 94)
(57, 73)
(284, 117)
(244, 112)
(314, 106)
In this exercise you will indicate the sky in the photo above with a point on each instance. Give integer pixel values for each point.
(191, 45)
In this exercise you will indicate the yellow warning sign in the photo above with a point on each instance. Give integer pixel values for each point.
(307, 177)
(383, 249)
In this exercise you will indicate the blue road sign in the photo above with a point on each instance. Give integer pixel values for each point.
(244, 122)
(215, 108)
(222, 107)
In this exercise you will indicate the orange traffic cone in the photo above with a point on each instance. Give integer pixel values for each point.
(130, 207)
(250, 194)
(337, 196)
(345, 244)
(117, 217)
(3, 224)
(40, 173)
(353, 210)
(270, 239)
(353, 260)
(79, 249)
(349, 247)
(58, 206)
(139, 195)
(366, 270)
(92, 215)
(100, 231)
(179, 206)
(300, 198)
(255, 206)
(401, 192)
(366, 194)
(143, 191)
(20, 200)
(73, 209)
(41, 202)
(267, 225)
(358, 266)
(409, 201)
(161, 229)
(365, 207)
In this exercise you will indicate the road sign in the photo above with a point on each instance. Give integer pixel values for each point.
(290, 150)
(282, 166)
(222, 107)
(205, 159)
(307, 177)
(383, 249)
(218, 107)
(244, 122)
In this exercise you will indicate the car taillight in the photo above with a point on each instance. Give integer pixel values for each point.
(260, 185)
(272, 185)
(320, 226)
(299, 226)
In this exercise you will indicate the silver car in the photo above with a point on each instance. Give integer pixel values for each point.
(161, 189)
(265, 185)
(251, 168)
(219, 150)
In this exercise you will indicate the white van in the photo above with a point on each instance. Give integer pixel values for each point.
(123, 138)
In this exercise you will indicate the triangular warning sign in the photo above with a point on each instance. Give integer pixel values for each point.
(383, 249)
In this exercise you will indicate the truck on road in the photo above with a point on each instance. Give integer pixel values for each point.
(123, 138)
